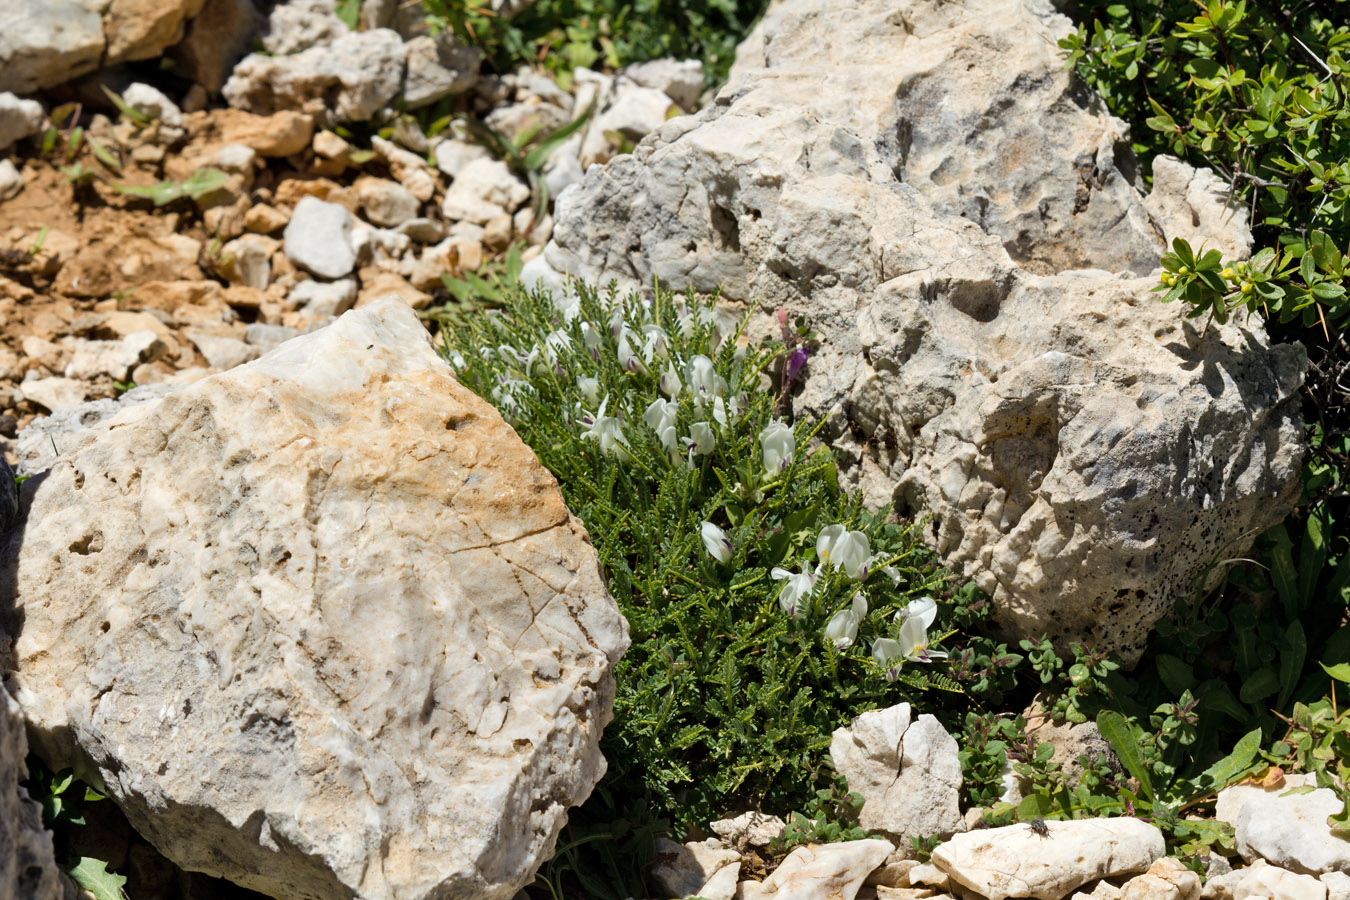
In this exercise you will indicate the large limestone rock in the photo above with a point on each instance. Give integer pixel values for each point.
(27, 868)
(908, 773)
(321, 625)
(48, 42)
(1082, 453)
(1018, 861)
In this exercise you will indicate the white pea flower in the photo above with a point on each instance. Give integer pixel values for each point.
(777, 444)
(670, 383)
(842, 629)
(912, 645)
(660, 417)
(717, 543)
(842, 549)
(686, 322)
(590, 389)
(915, 620)
(591, 338)
(616, 325)
(456, 360)
(660, 414)
(704, 381)
(627, 357)
(889, 655)
(734, 406)
(608, 433)
(700, 442)
(655, 342)
(795, 594)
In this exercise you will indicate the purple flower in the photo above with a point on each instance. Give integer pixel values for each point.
(796, 361)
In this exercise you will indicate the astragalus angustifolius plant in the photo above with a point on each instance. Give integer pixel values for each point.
(767, 607)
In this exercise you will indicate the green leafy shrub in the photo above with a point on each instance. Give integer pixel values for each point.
(565, 34)
(1257, 92)
(758, 593)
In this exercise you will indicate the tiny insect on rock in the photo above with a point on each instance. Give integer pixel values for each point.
(1039, 827)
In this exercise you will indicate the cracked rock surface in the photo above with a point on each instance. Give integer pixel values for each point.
(321, 625)
(966, 234)
(907, 770)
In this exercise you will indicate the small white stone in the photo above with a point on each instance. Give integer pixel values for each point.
(1264, 882)
(11, 180)
(754, 829)
(1291, 831)
(151, 101)
(52, 393)
(410, 169)
(235, 158)
(1166, 879)
(484, 189)
(317, 299)
(453, 154)
(18, 118)
(91, 359)
(318, 238)
(385, 202)
(1338, 885)
(247, 260)
(907, 772)
(223, 353)
(680, 80)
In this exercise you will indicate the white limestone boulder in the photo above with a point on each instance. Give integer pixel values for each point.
(907, 771)
(321, 625)
(1018, 861)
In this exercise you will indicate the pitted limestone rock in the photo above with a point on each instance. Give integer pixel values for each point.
(321, 625)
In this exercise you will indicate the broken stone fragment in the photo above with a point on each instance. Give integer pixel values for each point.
(908, 773)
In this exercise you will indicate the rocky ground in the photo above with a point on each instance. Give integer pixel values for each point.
(267, 225)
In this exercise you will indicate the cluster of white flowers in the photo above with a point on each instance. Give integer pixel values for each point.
(912, 646)
(838, 548)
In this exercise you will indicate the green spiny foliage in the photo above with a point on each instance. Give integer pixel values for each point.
(662, 428)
